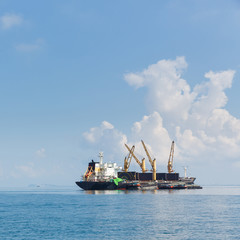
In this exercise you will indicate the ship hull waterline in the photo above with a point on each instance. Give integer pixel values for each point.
(92, 185)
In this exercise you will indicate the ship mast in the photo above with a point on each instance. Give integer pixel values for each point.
(185, 172)
(101, 158)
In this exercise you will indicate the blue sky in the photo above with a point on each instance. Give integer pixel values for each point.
(71, 66)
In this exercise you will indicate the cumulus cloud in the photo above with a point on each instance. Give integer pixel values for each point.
(210, 95)
(156, 137)
(30, 47)
(97, 132)
(168, 93)
(8, 21)
(106, 137)
(196, 118)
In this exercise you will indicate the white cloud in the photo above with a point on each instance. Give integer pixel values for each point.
(106, 137)
(190, 145)
(8, 21)
(97, 132)
(150, 129)
(196, 119)
(210, 95)
(30, 47)
(168, 93)
(41, 153)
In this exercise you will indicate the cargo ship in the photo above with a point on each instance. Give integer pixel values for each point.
(109, 176)
(104, 176)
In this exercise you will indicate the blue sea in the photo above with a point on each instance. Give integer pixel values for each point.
(70, 213)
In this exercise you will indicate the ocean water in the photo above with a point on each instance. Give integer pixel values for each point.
(70, 213)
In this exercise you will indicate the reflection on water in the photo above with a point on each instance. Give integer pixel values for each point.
(113, 192)
(149, 191)
(206, 190)
(105, 192)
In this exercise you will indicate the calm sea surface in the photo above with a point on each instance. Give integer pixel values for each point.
(69, 213)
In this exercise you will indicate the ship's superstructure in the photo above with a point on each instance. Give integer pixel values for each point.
(99, 171)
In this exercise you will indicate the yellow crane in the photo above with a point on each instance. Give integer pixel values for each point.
(128, 159)
(152, 162)
(141, 164)
(170, 160)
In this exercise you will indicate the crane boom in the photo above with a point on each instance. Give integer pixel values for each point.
(128, 159)
(142, 165)
(149, 157)
(152, 162)
(170, 160)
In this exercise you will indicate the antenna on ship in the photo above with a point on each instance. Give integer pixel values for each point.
(101, 157)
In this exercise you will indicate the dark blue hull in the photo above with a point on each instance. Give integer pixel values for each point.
(85, 185)
(91, 185)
